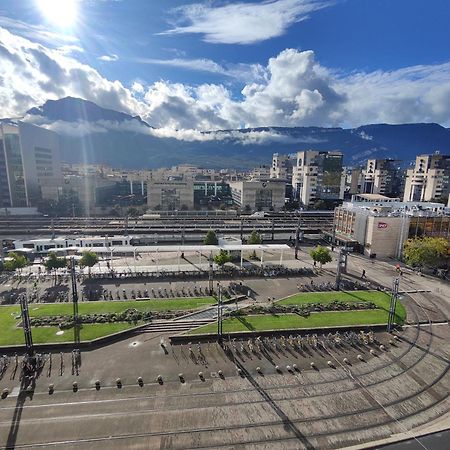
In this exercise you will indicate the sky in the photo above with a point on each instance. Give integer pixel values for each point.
(191, 65)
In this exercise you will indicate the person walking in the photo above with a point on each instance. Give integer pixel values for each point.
(363, 274)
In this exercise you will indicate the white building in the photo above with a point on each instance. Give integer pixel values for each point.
(429, 179)
(259, 195)
(171, 195)
(282, 166)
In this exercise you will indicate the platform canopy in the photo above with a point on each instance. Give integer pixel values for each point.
(181, 248)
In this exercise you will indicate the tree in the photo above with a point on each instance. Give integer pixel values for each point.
(321, 255)
(17, 261)
(222, 258)
(89, 259)
(254, 238)
(210, 238)
(425, 251)
(53, 263)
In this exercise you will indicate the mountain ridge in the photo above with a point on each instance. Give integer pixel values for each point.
(122, 140)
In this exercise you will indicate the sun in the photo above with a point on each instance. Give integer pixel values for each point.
(62, 13)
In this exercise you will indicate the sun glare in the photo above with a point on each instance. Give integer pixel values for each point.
(62, 13)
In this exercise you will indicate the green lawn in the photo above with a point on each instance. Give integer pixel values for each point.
(315, 320)
(381, 299)
(10, 315)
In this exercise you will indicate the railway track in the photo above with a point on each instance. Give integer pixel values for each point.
(291, 424)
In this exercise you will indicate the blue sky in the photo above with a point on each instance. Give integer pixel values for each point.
(206, 65)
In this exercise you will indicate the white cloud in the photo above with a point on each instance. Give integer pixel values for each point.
(37, 33)
(242, 23)
(137, 87)
(108, 58)
(238, 71)
(293, 89)
(32, 73)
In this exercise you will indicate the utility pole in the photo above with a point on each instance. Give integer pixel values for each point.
(219, 315)
(126, 225)
(341, 267)
(273, 229)
(25, 315)
(210, 274)
(73, 277)
(297, 234)
(53, 228)
(393, 304)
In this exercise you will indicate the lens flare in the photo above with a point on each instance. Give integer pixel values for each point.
(62, 13)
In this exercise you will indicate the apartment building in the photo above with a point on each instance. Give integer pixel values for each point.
(318, 175)
(30, 164)
(282, 166)
(381, 176)
(429, 179)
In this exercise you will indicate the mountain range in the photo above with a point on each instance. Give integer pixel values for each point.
(92, 134)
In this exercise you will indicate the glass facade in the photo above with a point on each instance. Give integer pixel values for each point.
(15, 170)
(5, 200)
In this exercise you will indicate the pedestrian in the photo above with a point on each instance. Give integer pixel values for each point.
(312, 281)
(315, 264)
(363, 274)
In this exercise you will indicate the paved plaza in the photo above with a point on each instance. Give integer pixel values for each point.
(236, 396)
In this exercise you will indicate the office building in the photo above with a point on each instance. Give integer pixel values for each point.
(429, 179)
(260, 173)
(30, 164)
(318, 175)
(259, 195)
(171, 194)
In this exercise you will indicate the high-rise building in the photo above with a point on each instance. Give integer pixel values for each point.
(429, 179)
(318, 175)
(381, 177)
(282, 166)
(30, 164)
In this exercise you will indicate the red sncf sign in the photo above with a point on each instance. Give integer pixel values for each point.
(382, 225)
